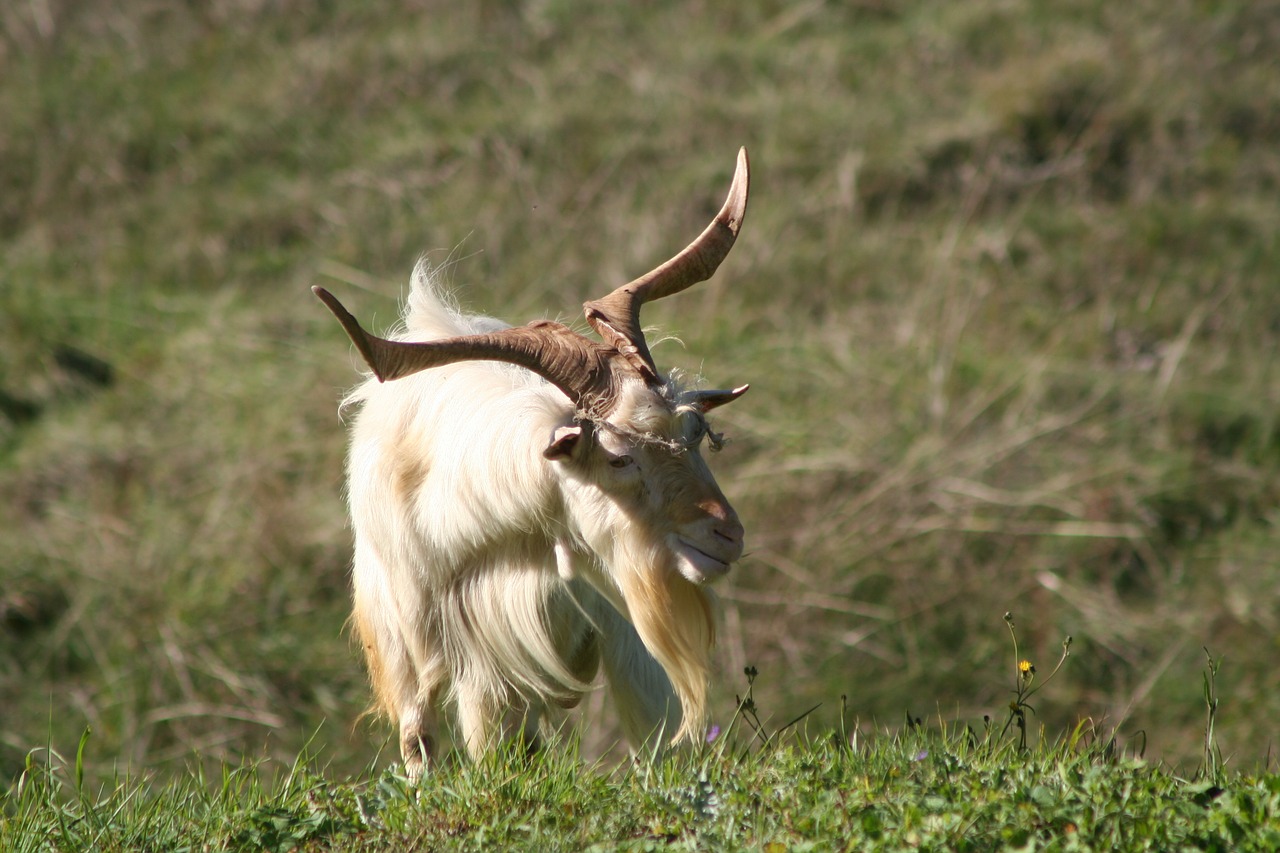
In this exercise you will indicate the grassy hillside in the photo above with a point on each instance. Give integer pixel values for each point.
(1006, 297)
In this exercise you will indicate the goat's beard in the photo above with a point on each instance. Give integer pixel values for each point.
(674, 618)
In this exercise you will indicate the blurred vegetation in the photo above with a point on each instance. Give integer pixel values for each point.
(1006, 297)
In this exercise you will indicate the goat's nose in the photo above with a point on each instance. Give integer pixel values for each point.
(726, 525)
(730, 530)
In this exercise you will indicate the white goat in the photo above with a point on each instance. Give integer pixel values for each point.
(535, 507)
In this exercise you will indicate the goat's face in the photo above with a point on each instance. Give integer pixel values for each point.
(637, 481)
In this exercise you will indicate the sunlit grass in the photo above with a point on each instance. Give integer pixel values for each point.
(927, 786)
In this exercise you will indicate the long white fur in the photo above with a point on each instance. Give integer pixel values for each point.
(482, 579)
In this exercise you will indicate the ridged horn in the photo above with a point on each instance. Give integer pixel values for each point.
(616, 317)
(587, 372)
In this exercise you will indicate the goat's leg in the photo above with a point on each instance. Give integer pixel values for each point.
(418, 717)
(406, 668)
(479, 719)
(486, 721)
(646, 703)
(417, 746)
(522, 723)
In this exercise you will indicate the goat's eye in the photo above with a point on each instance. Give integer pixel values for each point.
(620, 461)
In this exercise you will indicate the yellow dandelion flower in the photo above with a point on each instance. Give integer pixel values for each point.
(1025, 667)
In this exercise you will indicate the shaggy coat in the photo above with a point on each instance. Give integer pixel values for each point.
(531, 505)
(497, 571)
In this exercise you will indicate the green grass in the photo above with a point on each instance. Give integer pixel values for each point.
(1005, 295)
(937, 790)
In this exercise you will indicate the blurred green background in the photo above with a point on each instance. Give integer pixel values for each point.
(1006, 296)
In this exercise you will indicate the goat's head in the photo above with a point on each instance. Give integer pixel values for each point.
(638, 488)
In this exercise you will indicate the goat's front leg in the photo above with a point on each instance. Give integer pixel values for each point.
(418, 718)
(647, 704)
(417, 746)
(486, 721)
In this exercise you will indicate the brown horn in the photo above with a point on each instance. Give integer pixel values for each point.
(710, 399)
(616, 317)
(586, 371)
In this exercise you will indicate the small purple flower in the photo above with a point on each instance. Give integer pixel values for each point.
(712, 734)
(921, 755)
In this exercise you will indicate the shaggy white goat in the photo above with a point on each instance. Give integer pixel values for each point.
(533, 507)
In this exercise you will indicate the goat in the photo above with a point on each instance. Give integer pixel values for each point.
(529, 505)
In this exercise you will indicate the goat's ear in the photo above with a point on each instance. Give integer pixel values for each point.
(562, 445)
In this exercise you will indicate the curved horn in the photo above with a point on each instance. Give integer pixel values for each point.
(616, 317)
(709, 399)
(583, 369)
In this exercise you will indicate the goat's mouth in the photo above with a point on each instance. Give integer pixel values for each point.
(696, 564)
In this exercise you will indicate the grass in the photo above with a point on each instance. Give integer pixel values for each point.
(1005, 296)
(938, 788)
